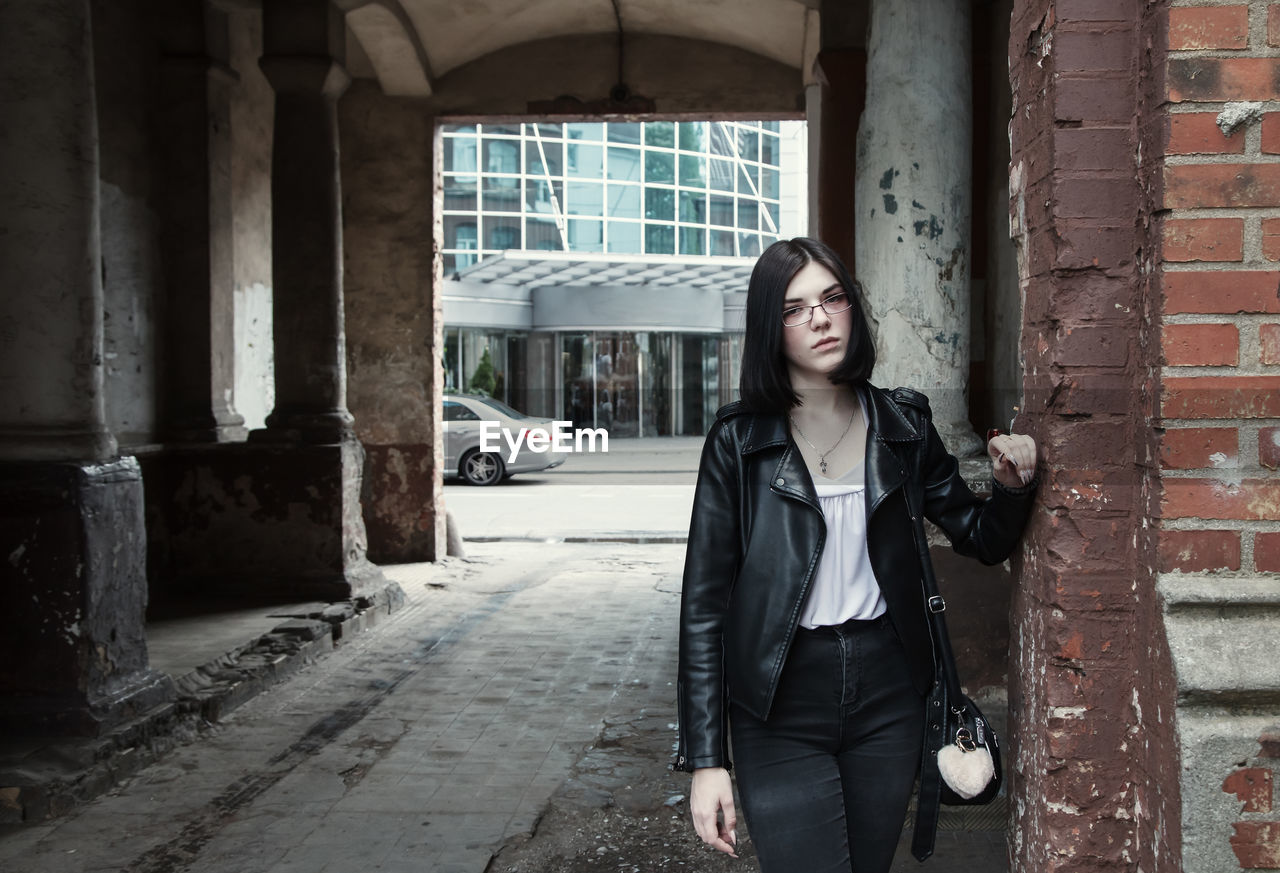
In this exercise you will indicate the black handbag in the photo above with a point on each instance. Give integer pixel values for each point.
(953, 722)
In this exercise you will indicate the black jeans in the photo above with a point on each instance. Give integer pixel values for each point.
(825, 781)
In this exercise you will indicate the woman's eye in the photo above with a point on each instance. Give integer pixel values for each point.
(788, 313)
(837, 298)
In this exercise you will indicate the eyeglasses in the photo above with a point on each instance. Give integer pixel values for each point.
(794, 316)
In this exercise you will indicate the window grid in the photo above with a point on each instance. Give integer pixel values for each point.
(658, 187)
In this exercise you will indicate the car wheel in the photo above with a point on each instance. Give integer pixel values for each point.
(481, 468)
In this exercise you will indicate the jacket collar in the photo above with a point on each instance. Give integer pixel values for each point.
(884, 421)
(884, 472)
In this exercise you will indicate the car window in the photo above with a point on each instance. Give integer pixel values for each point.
(503, 408)
(457, 412)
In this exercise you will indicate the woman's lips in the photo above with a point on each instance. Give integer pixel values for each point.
(825, 343)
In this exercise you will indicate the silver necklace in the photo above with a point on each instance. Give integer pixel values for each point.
(822, 456)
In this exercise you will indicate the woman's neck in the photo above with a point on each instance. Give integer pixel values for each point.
(822, 399)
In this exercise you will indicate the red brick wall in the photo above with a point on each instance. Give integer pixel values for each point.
(1221, 310)
(1255, 841)
(1220, 446)
(1091, 766)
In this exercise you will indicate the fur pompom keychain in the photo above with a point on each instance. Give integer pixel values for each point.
(966, 771)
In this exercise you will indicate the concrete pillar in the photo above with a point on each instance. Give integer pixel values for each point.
(194, 114)
(913, 195)
(51, 398)
(74, 576)
(303, 50)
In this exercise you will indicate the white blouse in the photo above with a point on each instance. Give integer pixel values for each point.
(844, 585)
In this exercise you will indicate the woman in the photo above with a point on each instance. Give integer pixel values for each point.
(803, 630)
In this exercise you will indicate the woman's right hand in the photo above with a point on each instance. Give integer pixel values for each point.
(711, 793)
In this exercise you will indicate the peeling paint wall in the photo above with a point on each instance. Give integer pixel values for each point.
(913, 201)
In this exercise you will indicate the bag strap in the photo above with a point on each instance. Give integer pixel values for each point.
(946, 691)
(935, 605)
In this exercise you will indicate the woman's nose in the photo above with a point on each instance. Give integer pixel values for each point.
(819, 318)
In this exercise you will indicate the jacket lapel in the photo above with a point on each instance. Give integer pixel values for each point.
(790, 477)
(885, 425)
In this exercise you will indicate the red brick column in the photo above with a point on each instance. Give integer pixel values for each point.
(1092, 778)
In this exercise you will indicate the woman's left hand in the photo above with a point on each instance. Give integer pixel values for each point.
(1013, 458)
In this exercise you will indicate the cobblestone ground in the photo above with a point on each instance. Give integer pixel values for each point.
(515, 716)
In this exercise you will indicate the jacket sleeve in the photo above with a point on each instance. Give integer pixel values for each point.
(984, 528)
(710, 568)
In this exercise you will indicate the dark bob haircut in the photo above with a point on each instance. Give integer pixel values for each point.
(766, 382)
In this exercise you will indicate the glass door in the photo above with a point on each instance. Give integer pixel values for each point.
(698, 386)
(577, 364)
(617, 380)
(657, 385)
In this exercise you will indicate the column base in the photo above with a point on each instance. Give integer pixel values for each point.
(960, 439)
(401, 495)
(21, 445)
(267, 518)
(76, 589)
(77, 715)
(316, 428)
(216, 433)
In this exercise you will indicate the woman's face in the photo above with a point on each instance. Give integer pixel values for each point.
(817, 346)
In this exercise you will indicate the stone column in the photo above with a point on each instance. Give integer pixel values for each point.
(51, 398)
(282, 513)
(73, 659)
(393, 303)
(303, 50)
(194, 162)
(913, 194)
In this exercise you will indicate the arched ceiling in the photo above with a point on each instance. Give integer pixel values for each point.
(412, 42)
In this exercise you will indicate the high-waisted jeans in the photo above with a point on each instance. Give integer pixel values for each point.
(825, 781)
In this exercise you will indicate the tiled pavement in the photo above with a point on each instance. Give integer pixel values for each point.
(420, 746)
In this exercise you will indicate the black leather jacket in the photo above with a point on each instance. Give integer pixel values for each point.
(756, 536)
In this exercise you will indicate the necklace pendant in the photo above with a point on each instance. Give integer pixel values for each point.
(822, 464)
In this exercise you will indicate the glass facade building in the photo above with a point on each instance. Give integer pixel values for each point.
(686, 190)
(661, 187)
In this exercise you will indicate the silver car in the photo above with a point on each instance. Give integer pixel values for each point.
(463, 416)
